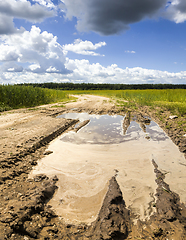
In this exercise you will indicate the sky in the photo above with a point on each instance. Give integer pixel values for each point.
(93, 41)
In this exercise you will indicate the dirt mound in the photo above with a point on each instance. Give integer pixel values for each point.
(169, 221)
(113, 220)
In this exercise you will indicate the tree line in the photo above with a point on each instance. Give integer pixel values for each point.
(104, 86)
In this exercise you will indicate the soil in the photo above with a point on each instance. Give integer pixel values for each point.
(25, 212)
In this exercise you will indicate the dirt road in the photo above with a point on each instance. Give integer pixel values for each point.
(25, 214)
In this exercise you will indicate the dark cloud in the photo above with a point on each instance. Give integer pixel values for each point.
(181, 6)
(111, 16)
(25, 10)
(10, 9)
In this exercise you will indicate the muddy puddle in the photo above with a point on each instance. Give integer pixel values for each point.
(102, 146)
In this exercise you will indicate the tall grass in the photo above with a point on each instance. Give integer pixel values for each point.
(173, 100)
(15, 96)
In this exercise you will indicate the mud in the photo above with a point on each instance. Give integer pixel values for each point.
(113, 221)
(169, 221)
(24, 203)
(175, 128)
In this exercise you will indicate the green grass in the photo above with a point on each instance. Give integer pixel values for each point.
(58, 106)
(173, 100)
(14, 96)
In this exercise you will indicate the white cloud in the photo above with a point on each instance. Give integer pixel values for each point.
(46, 3)
(11, 67)
(96, 73)
(176, 11)
(83, 47)
(33, 67)
(8, 53)
(130, 51)
(38, 49)
(83, 71)
(22, 9)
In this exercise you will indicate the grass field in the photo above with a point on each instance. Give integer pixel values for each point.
(173, 100)
(13, 96)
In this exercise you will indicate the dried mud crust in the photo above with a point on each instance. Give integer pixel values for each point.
(25, 213)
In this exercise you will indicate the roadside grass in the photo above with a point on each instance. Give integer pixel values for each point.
(14, 96)
(4, 107)
(173, 100)
(58, 106)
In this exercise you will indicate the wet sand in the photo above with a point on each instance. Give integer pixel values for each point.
(85, 169)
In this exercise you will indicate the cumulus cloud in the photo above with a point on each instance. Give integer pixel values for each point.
(22, 9)
(176, 11)
(83, 71)
(109, 16)
(83, 47)
(34, 48)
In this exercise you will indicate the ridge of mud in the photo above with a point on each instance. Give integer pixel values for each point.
(169, 221)
(126, 122)
(113, 221)
(23, 210)
(81, 124)
(138, 117)
(15, 160)
(168, 203)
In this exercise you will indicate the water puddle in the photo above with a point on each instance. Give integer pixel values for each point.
(85, 160)
(106, 129)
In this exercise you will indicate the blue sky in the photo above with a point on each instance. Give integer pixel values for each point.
(105, 41)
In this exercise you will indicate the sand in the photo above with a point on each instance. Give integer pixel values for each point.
(84, 170)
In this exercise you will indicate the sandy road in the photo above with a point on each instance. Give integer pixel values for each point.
(25, 214)
(23, 127)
